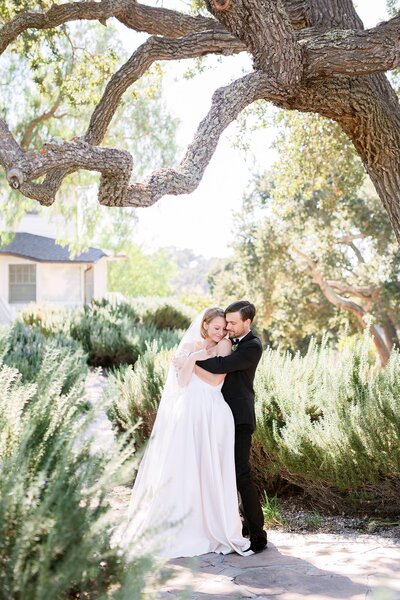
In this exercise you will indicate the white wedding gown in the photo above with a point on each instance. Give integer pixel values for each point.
(184, 501)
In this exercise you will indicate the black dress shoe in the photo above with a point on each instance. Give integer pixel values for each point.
(259, 543)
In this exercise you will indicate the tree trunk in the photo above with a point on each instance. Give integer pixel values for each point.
(390, 333)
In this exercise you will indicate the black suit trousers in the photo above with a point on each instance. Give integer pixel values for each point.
(251, 507)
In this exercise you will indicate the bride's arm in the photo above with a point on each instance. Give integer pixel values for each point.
(185, 370)
(223, 348)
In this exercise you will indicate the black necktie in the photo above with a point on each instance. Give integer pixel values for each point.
(235, 341)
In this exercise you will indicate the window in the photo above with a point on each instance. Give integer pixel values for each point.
(22, 284)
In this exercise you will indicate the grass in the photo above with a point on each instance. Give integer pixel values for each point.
(271, 512)
(313, 520)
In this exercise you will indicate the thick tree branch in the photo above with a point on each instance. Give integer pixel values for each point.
(55, 16)
(163, 21)
(332, 14)
(23, 168)
(328, 291)
(152, 50)
(227, 103)
(153, 20)
(369, 295)
(265, 29)
(297, 12)
(353, 52)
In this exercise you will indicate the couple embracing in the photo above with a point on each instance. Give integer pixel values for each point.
(185, 497)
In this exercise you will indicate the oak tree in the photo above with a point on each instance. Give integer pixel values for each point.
(313, 244)
(308, 55)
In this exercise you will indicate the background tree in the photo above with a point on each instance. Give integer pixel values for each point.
(313, 56)
(316, 248)
(142, 274)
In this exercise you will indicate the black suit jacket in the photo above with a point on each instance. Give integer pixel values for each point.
(240, 367)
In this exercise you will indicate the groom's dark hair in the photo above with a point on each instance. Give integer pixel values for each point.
(247, 309)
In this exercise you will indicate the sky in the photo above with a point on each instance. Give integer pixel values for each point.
(203, 220)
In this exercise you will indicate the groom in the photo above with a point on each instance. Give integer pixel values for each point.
(238, 392)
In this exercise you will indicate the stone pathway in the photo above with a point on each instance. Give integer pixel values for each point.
(301, 566)
(295, 567)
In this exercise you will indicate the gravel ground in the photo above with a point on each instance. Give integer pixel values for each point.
(296, 519)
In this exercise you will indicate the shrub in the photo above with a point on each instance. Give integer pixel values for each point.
(133, 394)
(55, 528)
(111, 334)
(25, 347)
(330, 423)
(49, 319)
(163, 313)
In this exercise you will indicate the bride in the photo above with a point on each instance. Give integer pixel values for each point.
(184, 500)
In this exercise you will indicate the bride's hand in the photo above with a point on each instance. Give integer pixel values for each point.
(202, 354)
(179, 360)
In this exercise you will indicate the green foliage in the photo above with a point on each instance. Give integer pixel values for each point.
(163, 313)
(28, 346)
(142, 274)
(393, 7)
(116, 333)
(311, 201)
(315, 158)
(271, 512)
(196, 302)
(329, 423)
(133, 393)
(55, 527)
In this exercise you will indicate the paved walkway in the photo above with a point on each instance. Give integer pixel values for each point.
(295, 566)
(100, 429)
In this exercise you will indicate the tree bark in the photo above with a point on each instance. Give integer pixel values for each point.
(390, 333)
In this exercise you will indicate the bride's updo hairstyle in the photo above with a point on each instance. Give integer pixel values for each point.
(209, 315)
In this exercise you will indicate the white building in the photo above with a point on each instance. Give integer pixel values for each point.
(33, 268)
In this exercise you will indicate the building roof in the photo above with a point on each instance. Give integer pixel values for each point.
(44, 249)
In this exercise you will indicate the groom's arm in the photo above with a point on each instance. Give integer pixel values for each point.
(237, 361)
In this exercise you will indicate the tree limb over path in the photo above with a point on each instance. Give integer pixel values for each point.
(115, 165)
(309, 55)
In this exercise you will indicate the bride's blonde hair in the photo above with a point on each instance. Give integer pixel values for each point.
(208, 316)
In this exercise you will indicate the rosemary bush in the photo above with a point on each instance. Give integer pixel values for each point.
(49, 319)
(112, 334)
(329, 422)
(163, 313)
(55, 528)
(25, 347)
